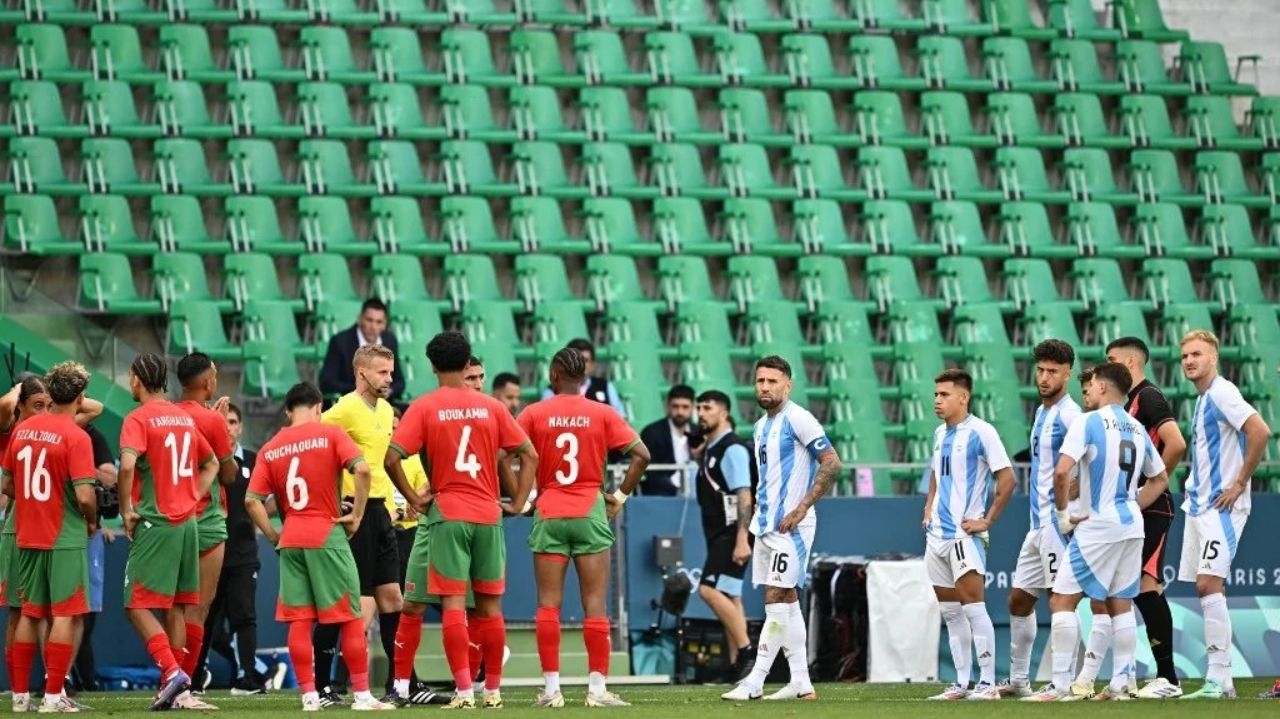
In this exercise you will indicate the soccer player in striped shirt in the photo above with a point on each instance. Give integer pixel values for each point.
(966, 452)
(797, 467)
(1111, 450)
(573, 436)
(1045, 546)
(1228, 438)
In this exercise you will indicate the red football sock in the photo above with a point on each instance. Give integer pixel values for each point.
(57, 660)
(493, 641)
(547, 623)
(195, 637)
(302, 654)
(24, 657)
(456, 638)
(160, 651)
(475, 655)
(355, 652)
(408, 638)
(595, 634)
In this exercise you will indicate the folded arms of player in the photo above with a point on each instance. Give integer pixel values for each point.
(640, 457)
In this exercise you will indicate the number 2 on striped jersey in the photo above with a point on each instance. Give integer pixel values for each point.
(465, 462)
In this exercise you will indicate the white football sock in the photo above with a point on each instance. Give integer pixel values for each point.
(595, 683)
(984, 640)
(1066, 635)
(1217, 637)
(1096, 649)
(1124, 644)
(772, 637)
(960, 638)
(1022, 632)
(551, 680)
(797, 647)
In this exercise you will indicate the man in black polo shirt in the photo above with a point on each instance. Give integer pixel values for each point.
(1148, 405)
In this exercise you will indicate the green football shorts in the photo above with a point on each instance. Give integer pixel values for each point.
(320, 583)
(163, 567)
(54, 582)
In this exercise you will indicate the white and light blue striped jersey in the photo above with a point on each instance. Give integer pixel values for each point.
(1047, 433)
(1113, 451)
(787, 448)
(964, 458)
(1217, 447)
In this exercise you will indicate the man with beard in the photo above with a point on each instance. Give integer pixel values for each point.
(668, 442)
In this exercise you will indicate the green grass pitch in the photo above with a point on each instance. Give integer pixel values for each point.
(834, 700)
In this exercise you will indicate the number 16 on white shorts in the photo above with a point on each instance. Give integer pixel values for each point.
(1209, 544)
(946, 560)
(782, 560)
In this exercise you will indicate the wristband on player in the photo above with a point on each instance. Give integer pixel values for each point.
(620, 496)
(1064, 521)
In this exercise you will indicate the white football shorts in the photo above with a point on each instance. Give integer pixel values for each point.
(1209, 543)
(782, 560)
(1102, 570)
(946, 560)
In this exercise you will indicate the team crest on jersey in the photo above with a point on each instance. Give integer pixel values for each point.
(410, 586)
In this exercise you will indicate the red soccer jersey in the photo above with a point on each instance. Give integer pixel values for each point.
(213, 427)
(47, 456)
(462, 431)
(170, 450)
(573, 436)
(302, 466)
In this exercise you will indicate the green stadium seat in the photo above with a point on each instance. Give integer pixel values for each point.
(1092, 227)
(1162, 231)
(253, 225)
(1080, 121)
(811, 118)
(1012, 118)
(180, 166)
(892, 280)
(43, 55)
(889, 226)
(415, 322)
(879, 119)
(250, 277)
(331, 317)
(951, 17)
(706, 367)
(611, 227)
(944, 64)
(1261, 119)
(809, 63)
(622, 14)
(1236, 283)
(493, 323)
(745, 117)
(254, 52)
(535, 59)
(673, 60)
(820, 16)
(1009, 64)
(958, 228)
(272, 12)
(544, 279)
(549, 12)
(821, 279)
(673, 116)
(538, 225)
(31, 227)
(269, 370)
(1145, 119)
(886, 15)
(742, 61)
(945, 118)
(36, 108)
(1013, 17)
(1089, 176)
(1156, 177)
(408, 13)
(180, 277)
(1044, 321)
(211, 12)
(106, 225)
(1077, 18)
(325, 112)
(535, 113)
(1269, 176)
(844, 323)
(1025, 227)
(468, 169)
(540, 171)
(327, 55)
(197, 326)
(754, 279)
(953, 174)
(326, 278)
(754, 16)
(745, 170)
(916, 324)
(678, 171)
(340, 12)
(556, 323)
(397, 278)
(395, 111)
(396, 55)
(680, 224)
(1228, 230)
(636, 322)
(398, 227)
(818, 227)
(1178, 320)
(604, 114)
(1032, 281)
(106, 287)
(468, 115)
(874, 63)
(1220, 178)
(472, 279)
(684, 279)
(613, 280)
(981, 325)
(776, 324)
(255, 168)
(177, 225)
(467, 224)
(1169, 282)
(1099, 282)
(107, 166)
(1143, 19)
(1076, 68)
(1111, 322)
(57, 12)
(116, 53)
(603, 60)
(642, 398)
(181, 110)
(418, 376)
(817, 172)
(1255, 326)
(110, 110)
(1022, 176)
(255, 111)
(325, 225)
(482, 13)
(1140, 66)
(396, 169)
(1212, 123)
(885, 174)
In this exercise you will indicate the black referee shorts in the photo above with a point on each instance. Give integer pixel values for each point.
(719, 571)
(375, 549)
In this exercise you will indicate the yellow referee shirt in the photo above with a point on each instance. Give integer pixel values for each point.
(370, 428)
(416, 474)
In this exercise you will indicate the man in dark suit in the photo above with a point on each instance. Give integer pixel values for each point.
(668, 443)
(337, 377)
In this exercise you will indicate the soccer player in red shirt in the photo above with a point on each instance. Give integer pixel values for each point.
(48, 470)
(573, 435)
(175, 467)
(199, 379)
(302, 467)
(463, 433)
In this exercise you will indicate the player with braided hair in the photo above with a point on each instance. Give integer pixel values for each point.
(573, 436)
